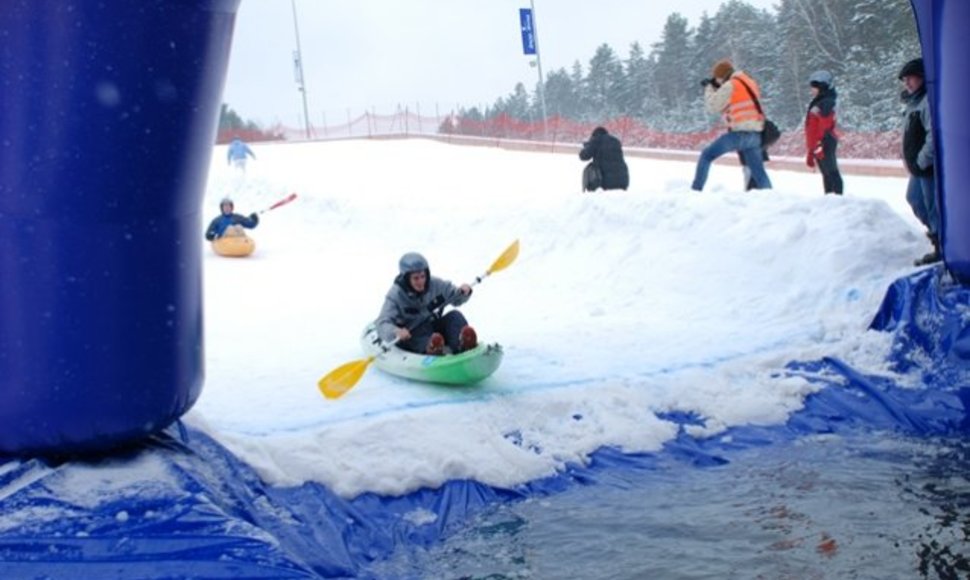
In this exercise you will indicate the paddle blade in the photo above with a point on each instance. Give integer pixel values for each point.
(343, 378)
(283, 201)
(507, 257)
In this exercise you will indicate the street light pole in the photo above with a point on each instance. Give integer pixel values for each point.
(298, 61)
(542, 88)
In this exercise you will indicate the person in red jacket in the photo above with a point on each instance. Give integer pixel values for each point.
(820, 138)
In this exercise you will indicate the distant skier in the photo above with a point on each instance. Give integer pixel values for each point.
(228, 224)
(820, 138)
(237, 153)
(606, 153)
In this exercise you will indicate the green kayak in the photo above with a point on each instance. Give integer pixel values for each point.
(464, 368)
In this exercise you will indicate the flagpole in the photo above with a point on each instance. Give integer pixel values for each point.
(299, 72)
(542, 88)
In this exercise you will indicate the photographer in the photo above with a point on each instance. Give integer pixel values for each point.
(732, 94)
(606, 151)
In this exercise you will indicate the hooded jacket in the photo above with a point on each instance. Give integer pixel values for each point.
(918, 152)
(404, 307)
(238, 150)
(606, 151)
(820, 118)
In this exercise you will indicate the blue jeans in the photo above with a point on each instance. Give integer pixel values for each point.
(921, 196)
(748, 143)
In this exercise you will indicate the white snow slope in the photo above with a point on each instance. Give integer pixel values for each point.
(620, 305)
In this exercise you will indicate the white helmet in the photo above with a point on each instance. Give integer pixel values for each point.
(821, 77)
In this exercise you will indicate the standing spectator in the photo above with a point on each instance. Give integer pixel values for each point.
(820, 138)
(606, 151)
(237, 153)
(918, 154)
(733, 94)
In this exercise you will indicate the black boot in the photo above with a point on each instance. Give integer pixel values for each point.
(934, 256)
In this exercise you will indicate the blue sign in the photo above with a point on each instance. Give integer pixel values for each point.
(528, 31)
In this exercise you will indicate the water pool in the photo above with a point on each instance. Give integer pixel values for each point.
(822, 507)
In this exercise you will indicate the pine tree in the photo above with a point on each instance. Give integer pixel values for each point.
(602, 82)
(561, 97)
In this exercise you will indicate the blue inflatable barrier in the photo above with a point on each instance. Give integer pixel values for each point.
(942, 28)
(109, 111)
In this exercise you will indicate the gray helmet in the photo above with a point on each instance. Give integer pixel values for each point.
(412, 262)
(821, 77)
(225, 201)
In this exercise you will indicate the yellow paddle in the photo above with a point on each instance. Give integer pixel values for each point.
(343, 378)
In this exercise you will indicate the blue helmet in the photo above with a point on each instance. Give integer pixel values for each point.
(821, 77)
(412, 262)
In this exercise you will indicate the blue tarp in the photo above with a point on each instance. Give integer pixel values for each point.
(208, 515)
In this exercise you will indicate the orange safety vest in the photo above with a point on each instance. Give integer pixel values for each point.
(741, 107)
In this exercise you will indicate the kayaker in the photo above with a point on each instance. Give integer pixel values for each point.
(411, 314)
(228, 223)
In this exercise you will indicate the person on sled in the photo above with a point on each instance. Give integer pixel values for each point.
(228, 223)
(411, 314)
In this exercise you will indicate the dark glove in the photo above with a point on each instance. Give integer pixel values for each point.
(810, 160)
(255, 217)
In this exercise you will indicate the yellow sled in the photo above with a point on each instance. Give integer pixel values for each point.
(234, 246)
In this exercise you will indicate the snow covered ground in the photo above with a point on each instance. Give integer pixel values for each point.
(621, 305)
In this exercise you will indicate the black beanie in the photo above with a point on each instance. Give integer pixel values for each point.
(913, 68)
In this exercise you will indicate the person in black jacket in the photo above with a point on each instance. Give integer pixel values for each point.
(606, 151)
(919, 156)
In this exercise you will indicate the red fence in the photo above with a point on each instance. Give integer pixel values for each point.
(559, 131)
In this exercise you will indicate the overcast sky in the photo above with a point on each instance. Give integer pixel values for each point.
(376, 54)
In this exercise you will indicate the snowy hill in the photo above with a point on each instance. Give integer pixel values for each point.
(621, 305)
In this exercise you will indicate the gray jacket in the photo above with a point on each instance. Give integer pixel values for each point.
(403, 307)
(918, 150)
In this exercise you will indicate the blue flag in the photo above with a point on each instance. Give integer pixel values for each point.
(528, 31)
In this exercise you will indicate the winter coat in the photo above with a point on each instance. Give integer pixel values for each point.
(820, 123)
(219, 225)
(918, 152)
(606, 151)
(403, 307)
(734, 101)
(238, 151)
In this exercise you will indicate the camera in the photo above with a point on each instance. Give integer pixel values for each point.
(711, 81)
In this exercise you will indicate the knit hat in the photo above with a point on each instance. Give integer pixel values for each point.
(913, 68)
(723, 69)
